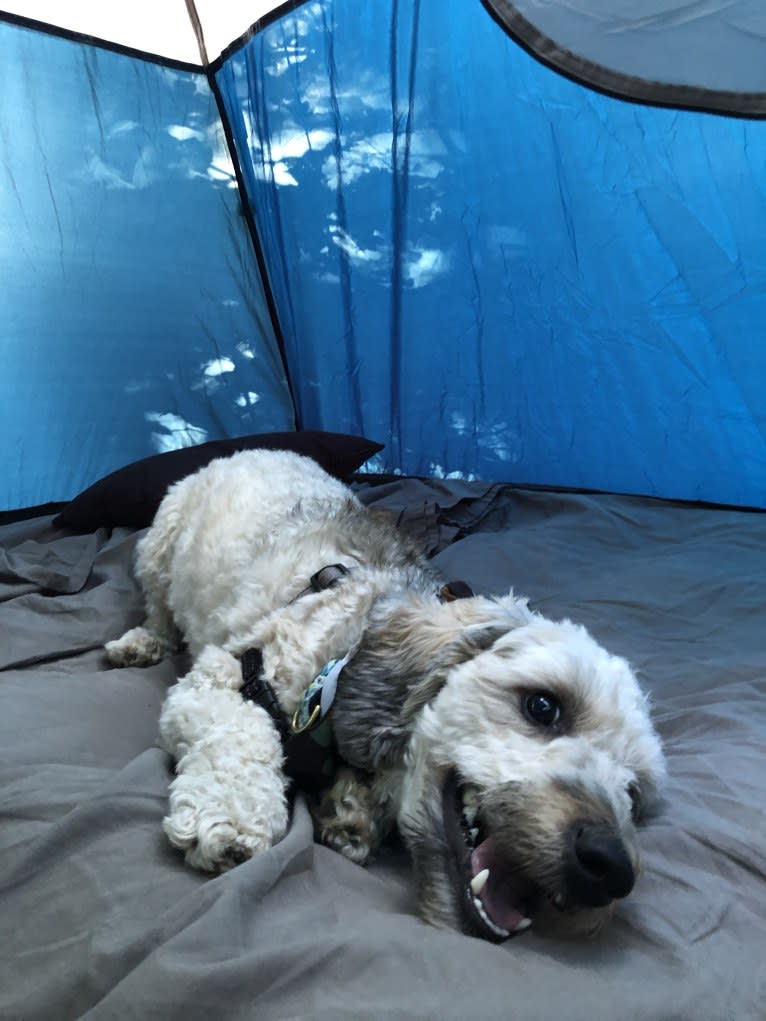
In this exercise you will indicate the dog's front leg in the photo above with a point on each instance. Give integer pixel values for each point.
(356, 813)
(228, 799)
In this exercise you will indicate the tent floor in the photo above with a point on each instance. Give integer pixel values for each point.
(99, 917)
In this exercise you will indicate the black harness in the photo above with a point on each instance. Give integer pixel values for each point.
(307, 740)
(310, 759)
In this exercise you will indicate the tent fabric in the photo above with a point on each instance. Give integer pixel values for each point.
(704, 55)
(509, 275)
(134, 318)
(716, 47)
(493, 269)
(391, 220)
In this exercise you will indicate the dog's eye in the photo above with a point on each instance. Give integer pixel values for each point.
(634, 793)
(542, 709)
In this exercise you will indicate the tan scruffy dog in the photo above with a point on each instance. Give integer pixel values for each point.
(513, 753)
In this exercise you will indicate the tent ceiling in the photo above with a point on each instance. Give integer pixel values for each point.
(162, 28)
(709, 54)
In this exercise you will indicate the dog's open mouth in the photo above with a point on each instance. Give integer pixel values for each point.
(496, 900)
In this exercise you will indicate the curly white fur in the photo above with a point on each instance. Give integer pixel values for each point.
(433, 698)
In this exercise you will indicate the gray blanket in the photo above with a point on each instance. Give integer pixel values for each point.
(99, 917)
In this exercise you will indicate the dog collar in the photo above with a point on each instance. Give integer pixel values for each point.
(316, 702)
(307, 739)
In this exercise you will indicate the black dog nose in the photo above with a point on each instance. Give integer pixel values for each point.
(597, 867)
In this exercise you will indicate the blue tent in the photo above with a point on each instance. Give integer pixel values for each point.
(521, 247)
(517, 251)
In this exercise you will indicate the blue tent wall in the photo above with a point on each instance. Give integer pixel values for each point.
(133, 317)
(498, 272)
(490, 268)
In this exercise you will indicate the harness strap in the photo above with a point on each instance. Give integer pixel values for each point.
(256, 689)
(307, 740)
(307, 744)
(326, 577)
(455, 590)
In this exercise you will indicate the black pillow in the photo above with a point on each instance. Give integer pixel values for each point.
(131, 495)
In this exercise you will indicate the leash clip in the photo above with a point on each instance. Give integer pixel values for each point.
(315, 712)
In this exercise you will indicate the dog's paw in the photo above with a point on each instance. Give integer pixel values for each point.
(356, 845)
(344, 819)
(211, 845)
(137, 647)
(219, 826)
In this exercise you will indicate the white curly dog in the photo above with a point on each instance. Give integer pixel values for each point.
(513, 753)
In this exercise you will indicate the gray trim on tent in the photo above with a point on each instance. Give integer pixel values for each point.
(555, 54)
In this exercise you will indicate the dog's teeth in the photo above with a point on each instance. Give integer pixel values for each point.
(479, 882)
(502, 933)
(474, 832)
(523, 924)
(558, 900)
(470, 804)
(470, 796)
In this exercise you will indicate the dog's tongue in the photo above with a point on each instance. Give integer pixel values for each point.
(501, 893)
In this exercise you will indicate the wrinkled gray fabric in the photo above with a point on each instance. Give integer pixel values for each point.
(100, 919)
(433, 513)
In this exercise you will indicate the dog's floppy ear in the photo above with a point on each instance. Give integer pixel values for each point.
(401, 663)
(474, 639)
(471, 641)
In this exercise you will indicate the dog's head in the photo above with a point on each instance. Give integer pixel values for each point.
(529, 759)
